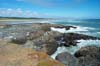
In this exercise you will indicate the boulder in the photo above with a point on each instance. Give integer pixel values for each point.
(88, 56)
(20, 38)
(67, 59)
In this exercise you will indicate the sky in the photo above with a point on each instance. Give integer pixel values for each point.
(50, 8)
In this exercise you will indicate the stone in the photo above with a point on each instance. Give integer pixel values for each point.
(67, 59)
(19, 39)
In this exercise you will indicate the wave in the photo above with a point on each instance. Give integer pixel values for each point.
(73, 49)
(61, 30)
(98, 32)
(77, 29)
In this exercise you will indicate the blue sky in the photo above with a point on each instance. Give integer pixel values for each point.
(50, 8)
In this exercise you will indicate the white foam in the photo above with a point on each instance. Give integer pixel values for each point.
(73, 49)
(77, 29)
(98, 32)
(84, 43)
(59, 50)
(61, 30)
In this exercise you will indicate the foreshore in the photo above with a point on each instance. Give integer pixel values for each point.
(50, 39)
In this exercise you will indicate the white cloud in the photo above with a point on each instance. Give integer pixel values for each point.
(18, 13)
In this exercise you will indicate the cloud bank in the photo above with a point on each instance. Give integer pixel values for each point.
(8, 12)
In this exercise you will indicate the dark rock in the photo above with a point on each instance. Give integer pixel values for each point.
(71, 38)
(67, 59)
(75, 36)
(88, 56)
(68, 27)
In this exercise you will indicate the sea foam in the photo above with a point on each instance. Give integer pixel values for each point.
(73, 49)
(61, 30)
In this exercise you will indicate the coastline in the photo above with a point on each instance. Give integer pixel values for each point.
(48, 38)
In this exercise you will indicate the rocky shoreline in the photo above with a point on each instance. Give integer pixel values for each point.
(39, 37)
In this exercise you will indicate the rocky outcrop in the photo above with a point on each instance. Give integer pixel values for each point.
(67, 59)
(88, 56)
(69, 39)
(75, 36)
(13, 55)
(46, 43)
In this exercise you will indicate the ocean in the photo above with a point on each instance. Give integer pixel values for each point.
(84, 26)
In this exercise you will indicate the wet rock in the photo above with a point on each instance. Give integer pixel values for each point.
(71, 38)
(75, 36)
(14, 55)
(67, 59)
(88, 56)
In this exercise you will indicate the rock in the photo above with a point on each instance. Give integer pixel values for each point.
(67, 59)
(75, 36)
(35, 34)
(46, 43)
(71, 39)
(19, 39)
(88, 56)
(14, 55)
